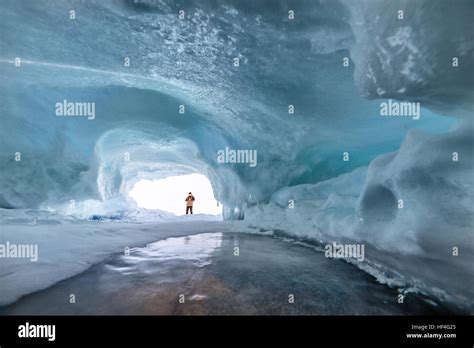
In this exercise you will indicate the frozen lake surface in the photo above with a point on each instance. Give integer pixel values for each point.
(203, 269)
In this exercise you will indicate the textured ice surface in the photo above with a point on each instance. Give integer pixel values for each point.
(186, 62)
(190, 62)
(411, 58)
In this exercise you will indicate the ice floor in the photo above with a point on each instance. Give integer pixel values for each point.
(202, 275)
(69, 247)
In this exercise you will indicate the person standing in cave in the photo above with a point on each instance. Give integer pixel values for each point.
(189, 203)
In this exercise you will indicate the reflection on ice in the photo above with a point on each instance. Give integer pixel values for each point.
(196, 248)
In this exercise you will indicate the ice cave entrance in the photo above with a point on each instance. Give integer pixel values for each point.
(168, 194)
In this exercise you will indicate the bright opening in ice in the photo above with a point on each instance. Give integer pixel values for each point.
(169, 194)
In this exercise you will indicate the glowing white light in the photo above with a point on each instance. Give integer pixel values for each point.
(169, 194)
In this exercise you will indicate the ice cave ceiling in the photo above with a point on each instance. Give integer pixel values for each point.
(190, 62)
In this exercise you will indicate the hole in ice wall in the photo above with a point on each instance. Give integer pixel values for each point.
(378, 204)
(169, 194)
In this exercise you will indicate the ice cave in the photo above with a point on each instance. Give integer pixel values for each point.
(97, 96)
